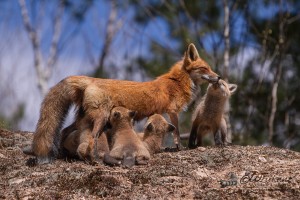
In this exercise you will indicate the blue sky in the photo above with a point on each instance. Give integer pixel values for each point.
(83, 43)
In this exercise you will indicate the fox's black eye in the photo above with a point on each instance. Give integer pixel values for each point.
(203, 68)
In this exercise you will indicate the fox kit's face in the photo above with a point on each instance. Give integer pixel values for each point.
(221, 88)
(121, 114)
(157, 125)
(196, 67)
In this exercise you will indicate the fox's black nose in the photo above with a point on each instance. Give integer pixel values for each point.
(219, 77)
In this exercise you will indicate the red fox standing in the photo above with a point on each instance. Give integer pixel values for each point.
(168, 93)
(208, 116)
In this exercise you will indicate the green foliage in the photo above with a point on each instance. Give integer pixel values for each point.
(196, 21)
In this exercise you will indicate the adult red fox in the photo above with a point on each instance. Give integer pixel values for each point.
(208, 116)
(168, 93)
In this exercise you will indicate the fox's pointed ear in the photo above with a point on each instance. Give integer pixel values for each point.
(132, 114)
(232, 88)
(171, 128)
(191, 53)
(149, 127)
(117, 115)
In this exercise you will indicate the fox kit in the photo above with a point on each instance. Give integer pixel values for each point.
(155, 130)
(169, 93)
(208, 116)
(81, 143)
(126, 145)
(77, 141)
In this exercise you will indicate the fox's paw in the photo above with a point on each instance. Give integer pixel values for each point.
(171, 149)
(111, 161)
(128, 161)
(31, 162)
(96, 161)
(180, 147)
(192, 144)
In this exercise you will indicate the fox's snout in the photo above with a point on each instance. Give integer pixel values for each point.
(211, 79)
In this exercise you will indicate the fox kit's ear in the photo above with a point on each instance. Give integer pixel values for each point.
(132, 114)
(191, 53)
(149, 127)
(117, 115)
(232, 88)
(171, 128)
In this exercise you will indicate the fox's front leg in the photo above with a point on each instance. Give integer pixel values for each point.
(98, 127)
(174, 120)
(218, 138)
(193, 135)
(223, 131)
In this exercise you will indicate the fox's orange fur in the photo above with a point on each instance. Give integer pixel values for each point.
(125, 142)
(154, 132)
(168, 93)
(208, 116)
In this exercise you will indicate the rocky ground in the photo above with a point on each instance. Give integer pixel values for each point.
(234, 172)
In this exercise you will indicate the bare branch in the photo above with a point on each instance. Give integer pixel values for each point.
(113, 25)
(54, 44)
(38, 59)
(226, 60)
(277, 75)
(227, 39)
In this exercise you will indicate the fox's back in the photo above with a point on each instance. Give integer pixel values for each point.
(144, 97)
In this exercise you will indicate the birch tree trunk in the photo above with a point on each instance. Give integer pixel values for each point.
(43, 70)
(277, 77)
(226, 61)
(113, 25)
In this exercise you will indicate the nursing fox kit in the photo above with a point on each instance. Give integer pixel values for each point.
(168, 93)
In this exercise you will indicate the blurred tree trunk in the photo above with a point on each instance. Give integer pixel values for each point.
(226, 35)
(43, 70)
(113, 25)
(277, 76)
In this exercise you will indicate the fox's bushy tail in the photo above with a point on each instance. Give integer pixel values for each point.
(54, 109)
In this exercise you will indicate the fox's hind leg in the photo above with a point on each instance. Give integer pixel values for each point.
(223, 130)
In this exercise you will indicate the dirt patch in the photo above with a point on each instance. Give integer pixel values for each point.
(258, 172)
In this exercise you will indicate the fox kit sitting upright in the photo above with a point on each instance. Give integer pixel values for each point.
(155, 130)
(208, 116)
(126, 145)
